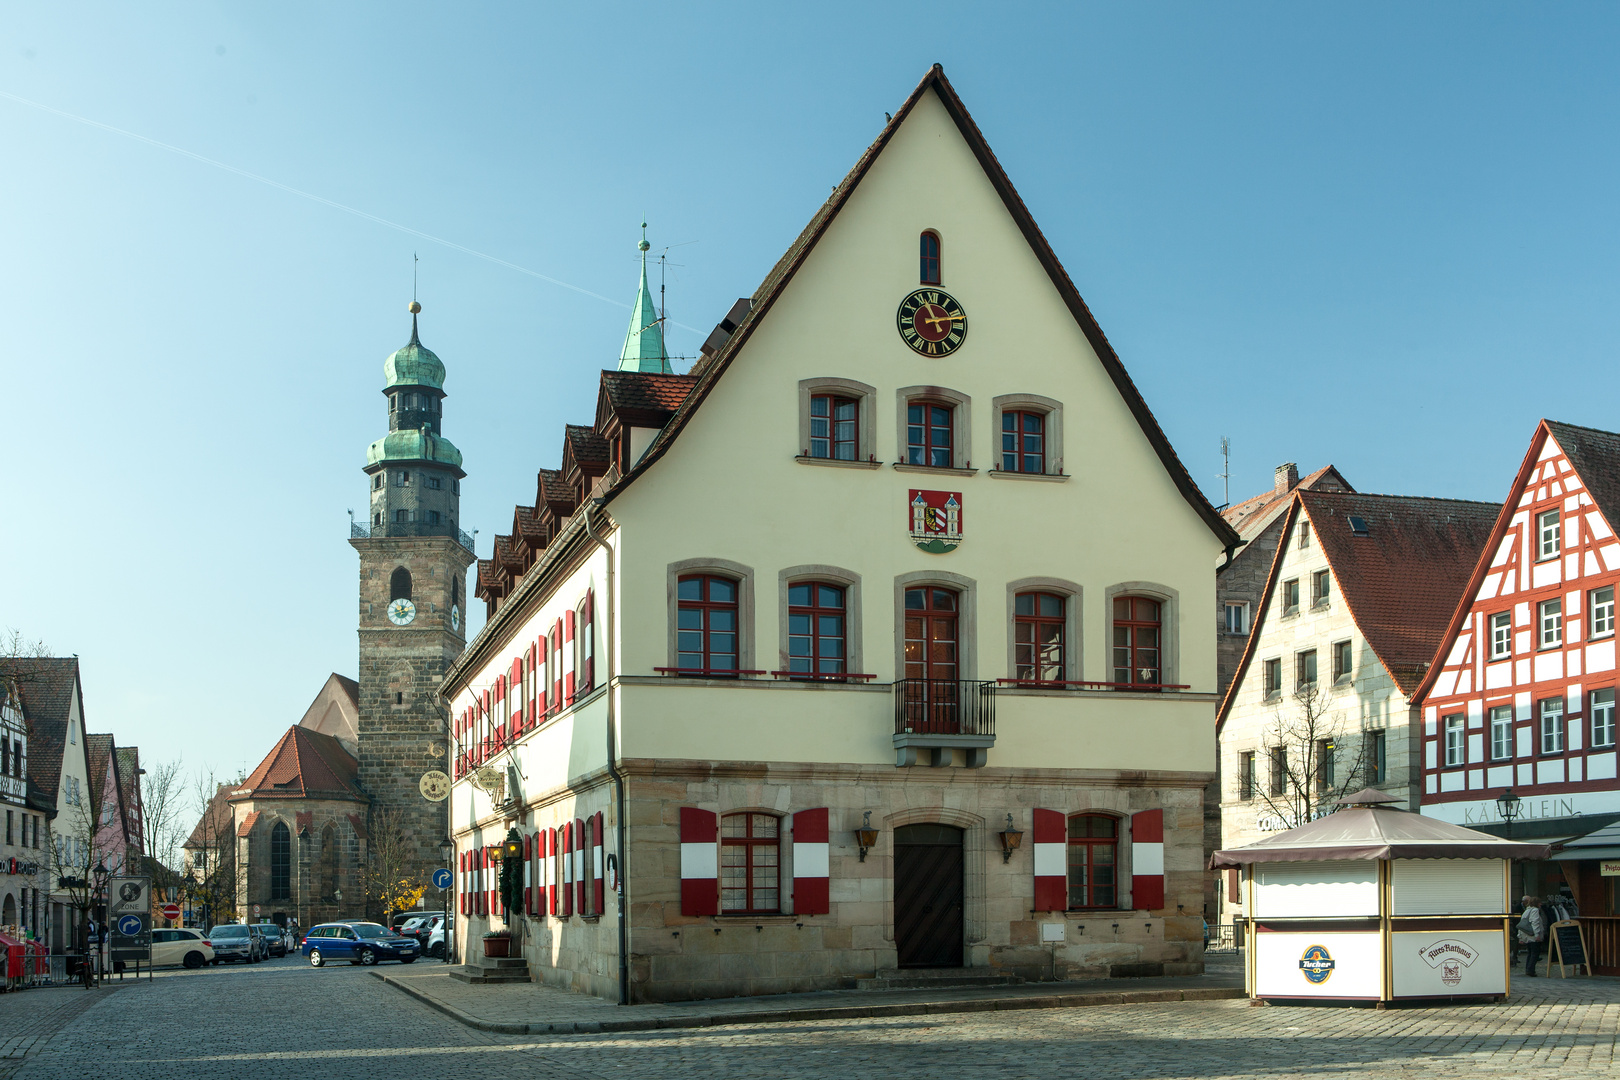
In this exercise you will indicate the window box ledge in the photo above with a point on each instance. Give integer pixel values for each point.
(902, 466)
(1056, 478)
(805, 459)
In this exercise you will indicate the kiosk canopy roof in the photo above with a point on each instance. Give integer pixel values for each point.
(1370, 832)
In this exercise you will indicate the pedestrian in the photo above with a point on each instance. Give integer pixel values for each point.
(1532, 933)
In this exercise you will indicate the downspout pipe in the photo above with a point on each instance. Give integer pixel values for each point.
(613, 758)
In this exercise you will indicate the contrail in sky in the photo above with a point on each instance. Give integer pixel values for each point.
(319, 199)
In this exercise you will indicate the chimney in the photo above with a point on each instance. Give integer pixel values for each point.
(1287, 478)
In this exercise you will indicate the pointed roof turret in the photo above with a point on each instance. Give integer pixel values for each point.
(644, 341)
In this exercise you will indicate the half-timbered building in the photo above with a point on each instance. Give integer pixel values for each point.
(878, 641)
(1520, 704)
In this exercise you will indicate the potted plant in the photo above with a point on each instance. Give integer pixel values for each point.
(498, 943)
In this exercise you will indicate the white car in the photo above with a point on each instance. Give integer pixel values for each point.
(181, 946)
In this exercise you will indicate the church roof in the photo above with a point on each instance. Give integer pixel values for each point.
(644, 340)
(304, 765)
(413, 365)
(413, 445)
(710, 371)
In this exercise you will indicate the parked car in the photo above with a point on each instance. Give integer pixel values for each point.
(358, 943)
(435, 940)
(181, 946)
(421, 927)
(235, 941)
(274, 942)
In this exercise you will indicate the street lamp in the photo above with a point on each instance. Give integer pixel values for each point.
(1507, 804)
(337, 895)
(447, 848)
(100, 872)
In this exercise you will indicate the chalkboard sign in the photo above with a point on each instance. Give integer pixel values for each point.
(1568, 947)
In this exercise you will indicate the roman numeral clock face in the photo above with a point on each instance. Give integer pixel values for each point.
(932, 322)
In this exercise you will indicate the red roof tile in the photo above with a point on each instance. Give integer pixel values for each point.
(1253, 514)
(304, 764)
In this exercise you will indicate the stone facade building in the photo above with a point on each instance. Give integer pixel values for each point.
(879, 641)
(1322, 704)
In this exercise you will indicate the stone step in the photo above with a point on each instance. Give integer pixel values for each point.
(502, 962)
(936, 978)
(483, 975)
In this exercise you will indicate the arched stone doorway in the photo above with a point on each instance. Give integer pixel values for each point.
(928, 895)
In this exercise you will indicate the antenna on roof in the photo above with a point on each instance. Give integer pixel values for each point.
(1226, 470)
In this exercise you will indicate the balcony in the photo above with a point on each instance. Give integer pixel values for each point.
(939, 716)
(358, 531)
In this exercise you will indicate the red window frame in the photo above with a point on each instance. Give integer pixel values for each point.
(930, 434)
(840, 435)
(1083, 853)
(1039, 636)
(750, 864)
(811, 649)
(928, 249)
(1138, 661)
(1023, 441)
(932, 642)
(703, 612)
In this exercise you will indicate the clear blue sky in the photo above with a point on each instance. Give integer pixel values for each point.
(1377, 235)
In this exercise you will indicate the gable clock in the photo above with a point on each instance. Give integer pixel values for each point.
(932, 322)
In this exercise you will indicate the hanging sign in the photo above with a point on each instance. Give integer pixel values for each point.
(435, 786)
(935, 520)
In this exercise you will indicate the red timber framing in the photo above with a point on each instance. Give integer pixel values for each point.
(1536, 717)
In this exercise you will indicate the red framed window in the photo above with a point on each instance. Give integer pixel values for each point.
(750, 864)
(1038, 620)
(706, 634)
(930, 434)
(1093, 861)
(928, 246)
(834, 425)
(816, 641)
(1137, 643)
(1023, 441)
(931, 633)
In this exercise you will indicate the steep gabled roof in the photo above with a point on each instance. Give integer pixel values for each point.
(709, 372)
(1401, 582)
(1595, 457)
(98, 750)
(305, 764)
(641, 398)
(47, 686)
(129, 781)
(1252, 515)
(214, 826)
(586, 445)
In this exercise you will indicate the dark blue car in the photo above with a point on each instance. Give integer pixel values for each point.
(358, 943)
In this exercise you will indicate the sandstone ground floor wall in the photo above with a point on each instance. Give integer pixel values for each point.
(681, 956)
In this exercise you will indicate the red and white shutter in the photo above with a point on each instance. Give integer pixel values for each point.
(519, 702)
(557, 700)
(461, 881)
(700, 862)
(548, 871)
(568, 658)
(598, 883)
(587, 677)
(1147, 860)
(1050, 842)
(528, 875)
(811, 876)
(542, 676)
(481, 898)
(581, 842)
(568, 841)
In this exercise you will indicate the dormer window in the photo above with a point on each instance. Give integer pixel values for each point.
(928, 244)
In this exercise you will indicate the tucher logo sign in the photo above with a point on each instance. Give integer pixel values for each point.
(1316, 965)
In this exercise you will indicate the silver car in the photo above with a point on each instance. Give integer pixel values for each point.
(235, 941)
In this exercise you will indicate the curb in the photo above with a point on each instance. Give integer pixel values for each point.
(831, 1012)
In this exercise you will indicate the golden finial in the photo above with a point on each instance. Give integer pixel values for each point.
(415, 307)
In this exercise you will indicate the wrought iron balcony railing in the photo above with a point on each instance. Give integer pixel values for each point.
(941, 716)
(358, 531)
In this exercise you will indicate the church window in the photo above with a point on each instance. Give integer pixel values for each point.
(393, 402)
(929, 247)
(433, 517)
(329, 865)
(402, 516)
(399, 584)
(377, 518)
(376, 482)
(434, 483)
(280, 862)
(455, 487)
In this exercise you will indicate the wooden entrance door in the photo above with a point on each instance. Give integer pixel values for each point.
(928, 896)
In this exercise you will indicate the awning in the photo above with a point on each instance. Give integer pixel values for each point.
(1589, 853)
(1370, 832)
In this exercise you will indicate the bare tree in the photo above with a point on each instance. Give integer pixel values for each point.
(77, 861)
(211, 880)
(1313, 758)
(388, 874)
(163, 802)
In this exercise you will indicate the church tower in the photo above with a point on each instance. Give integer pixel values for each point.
(413, 597)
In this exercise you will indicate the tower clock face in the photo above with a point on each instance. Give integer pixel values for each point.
(932, 322)
(401, 612)
(455, 616)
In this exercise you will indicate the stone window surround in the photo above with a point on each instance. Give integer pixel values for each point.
(865, 419)
(1073, 595)
(853, 614)
(784, 859)
(1169, 624)
(743, 575)
(1054, 431)
(1123, 900)
(961, 426)
(967, 621)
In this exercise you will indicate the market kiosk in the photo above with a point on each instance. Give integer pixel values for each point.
(1375, 904)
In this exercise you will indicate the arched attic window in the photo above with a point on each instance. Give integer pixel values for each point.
(399, 585)
(928, 245)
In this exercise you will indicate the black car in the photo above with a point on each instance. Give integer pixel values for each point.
(275, 942)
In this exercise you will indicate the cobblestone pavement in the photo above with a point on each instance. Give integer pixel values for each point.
(284, 1019)
(29, 1018)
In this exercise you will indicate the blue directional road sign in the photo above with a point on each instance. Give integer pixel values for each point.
(441, 878)
(129, 925)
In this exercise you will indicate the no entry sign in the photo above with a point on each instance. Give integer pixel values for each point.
(170, 911)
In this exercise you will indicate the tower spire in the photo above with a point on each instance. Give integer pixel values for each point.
(644, 341)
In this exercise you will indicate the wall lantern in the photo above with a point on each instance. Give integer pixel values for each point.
(512, 849)
(866, 835)
(1507, 804)
(1010, 839)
